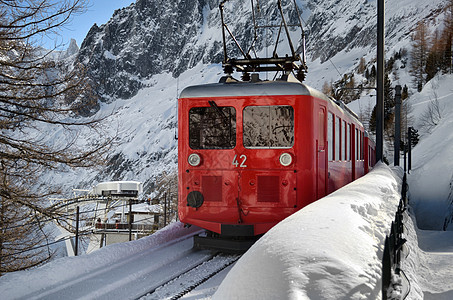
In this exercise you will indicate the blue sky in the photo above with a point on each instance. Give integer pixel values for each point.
(98, 11)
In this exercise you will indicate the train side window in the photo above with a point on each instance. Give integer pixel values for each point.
(362, 146)
(212, 127)
(343, 141)
(356, 144)
(337, 138)
(348, 143)
(268, 127)
(330, 143)
(322, 129)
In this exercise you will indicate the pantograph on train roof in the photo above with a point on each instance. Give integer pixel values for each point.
(293, 62)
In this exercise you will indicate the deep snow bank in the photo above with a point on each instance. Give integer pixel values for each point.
(331, 249)
(67, 270)
(431, 177)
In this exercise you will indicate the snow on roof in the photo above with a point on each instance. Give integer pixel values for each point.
(141, 208)
(117, 186)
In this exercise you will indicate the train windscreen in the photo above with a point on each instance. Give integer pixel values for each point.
(212, 127)
(268, 127)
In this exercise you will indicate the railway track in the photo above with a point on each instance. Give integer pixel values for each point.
(188, 280)
(167, 270)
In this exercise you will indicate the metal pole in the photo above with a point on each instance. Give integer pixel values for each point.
(397, 125)
(409, 156)
(130, 220)
(380, 81)
(76, 247)
(165, 209)
(225, 55)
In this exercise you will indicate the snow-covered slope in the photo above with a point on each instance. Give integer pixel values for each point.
(432, 167)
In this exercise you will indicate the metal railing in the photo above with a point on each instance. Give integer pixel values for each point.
(125, 226)
(392, 274)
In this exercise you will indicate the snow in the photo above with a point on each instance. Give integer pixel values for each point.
(109, 269)
(331, 249)
(432, 170)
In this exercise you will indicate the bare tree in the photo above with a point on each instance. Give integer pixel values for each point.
(432, 115)
(327, 88)
(36, 95)
(166, 190)
(362, 66)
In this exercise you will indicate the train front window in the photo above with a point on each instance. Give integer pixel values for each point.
(212, 127)
(268, 127)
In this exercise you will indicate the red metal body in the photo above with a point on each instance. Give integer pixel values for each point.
(243, 188)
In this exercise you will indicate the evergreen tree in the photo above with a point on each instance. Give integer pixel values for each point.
(415, 137)
(373, 120)
(373, 72)
(389, 103)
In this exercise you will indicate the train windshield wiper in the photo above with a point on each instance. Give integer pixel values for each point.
(219, 111)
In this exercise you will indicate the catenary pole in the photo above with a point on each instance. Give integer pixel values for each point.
(380, 81)
(397, 125)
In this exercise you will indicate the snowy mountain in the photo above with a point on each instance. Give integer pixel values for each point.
(148, 52)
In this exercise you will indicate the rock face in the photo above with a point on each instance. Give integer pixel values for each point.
(337, 25)
(148, 37)
(155, 36)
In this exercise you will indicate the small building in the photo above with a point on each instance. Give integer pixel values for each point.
(112, 218)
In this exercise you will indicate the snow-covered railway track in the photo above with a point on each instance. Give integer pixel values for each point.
(186, 281)
(132, 277)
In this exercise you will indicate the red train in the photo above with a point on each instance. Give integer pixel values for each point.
(252, 153)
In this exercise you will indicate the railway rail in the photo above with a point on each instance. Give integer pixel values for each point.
(188, 280)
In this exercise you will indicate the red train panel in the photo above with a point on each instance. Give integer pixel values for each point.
(251, 154)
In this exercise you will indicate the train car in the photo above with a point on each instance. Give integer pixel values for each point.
(252, 153)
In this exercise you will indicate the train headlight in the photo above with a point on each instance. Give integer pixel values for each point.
(286, 159)
(194, 159)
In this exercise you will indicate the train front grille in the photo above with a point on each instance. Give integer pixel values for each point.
(212, 188)
(268, 189)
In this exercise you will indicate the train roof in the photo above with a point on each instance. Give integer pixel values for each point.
(233, 88)
(260, 88)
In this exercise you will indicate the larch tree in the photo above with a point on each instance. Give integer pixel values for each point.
(36, 95)
(419, 54)
(448, 38)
